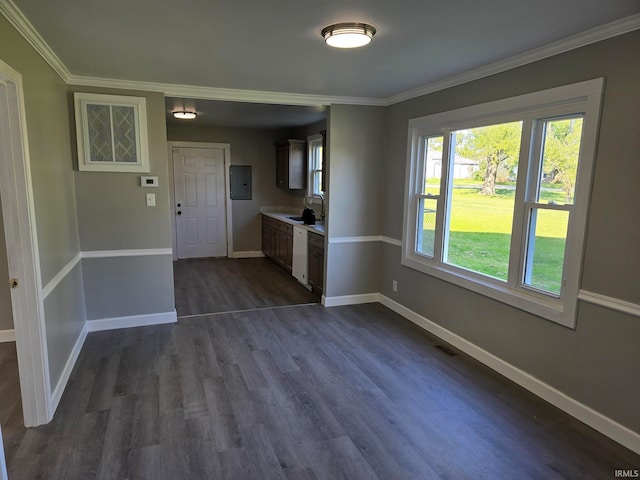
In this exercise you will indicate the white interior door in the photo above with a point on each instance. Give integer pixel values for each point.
(199, 180)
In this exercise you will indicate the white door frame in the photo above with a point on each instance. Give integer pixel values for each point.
(3, 461)
(22, 251)
(227, 195)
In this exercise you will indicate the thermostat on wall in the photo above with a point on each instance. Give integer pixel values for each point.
(146, 181)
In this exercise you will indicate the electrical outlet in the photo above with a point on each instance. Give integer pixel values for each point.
(395, 285)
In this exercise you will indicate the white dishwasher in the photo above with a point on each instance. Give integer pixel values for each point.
(299, 265)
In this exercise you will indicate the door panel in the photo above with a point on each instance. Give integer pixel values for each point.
(201, 202)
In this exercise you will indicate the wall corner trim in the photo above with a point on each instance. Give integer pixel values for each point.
(102, 324)
(610, 302)
(16, 18)
(350, 299)
(7, 336)
(64, 271)
(391, 241)
(56, 395)
(248, 254)
(582, 39)
(367, 238)
(585, 414)
(133, 252)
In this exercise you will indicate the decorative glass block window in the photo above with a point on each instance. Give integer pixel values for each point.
(112, 133)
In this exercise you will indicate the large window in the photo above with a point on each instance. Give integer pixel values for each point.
(497, 197)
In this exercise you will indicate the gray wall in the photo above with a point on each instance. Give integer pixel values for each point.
(65, 314)
(113, 215)
(48, 130)
(112, 210)
(598, 363)
(253, 147)
(6, 315)
(128, 286)
(355, 144)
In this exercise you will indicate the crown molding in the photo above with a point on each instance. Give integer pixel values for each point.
(593, 35)
(229, 94)
(16, 18)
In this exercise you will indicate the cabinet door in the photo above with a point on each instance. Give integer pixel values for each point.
(297, 166)
(291, 164)
(268, 238)
(315, 267)
(282, 166)
(312, 266)
(288, 251)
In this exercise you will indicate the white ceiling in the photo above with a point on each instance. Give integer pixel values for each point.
(275, 46)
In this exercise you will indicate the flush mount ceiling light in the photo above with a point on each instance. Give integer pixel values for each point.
(185, 115)
(348, 34)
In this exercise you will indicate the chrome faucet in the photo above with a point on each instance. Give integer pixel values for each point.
(321, 197)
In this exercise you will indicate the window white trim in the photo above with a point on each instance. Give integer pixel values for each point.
(138, 104)
(584, 98)
(313, 164)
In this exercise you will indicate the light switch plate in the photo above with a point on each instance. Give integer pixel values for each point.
(151, 199)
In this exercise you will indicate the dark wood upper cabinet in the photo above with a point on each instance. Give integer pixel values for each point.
(291, 164)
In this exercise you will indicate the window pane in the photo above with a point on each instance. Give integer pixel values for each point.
(124, 134)
(433, 165)
(426, 226)
(560, 160)
(99, 127)
(483, 173)
(317, 182)
(315, 167)
(545, 252)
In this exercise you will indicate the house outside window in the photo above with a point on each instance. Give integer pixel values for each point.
(497, 194)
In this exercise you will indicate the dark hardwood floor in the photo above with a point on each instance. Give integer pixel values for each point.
(301, 393)
(10, 399)
(215, 285)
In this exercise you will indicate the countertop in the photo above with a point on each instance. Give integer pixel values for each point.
(282, 214)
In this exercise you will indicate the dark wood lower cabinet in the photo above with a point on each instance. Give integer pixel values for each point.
(268, 238)
(315, 261)
(277, 244)
(277, 241)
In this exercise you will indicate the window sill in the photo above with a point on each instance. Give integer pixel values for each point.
(560, 311)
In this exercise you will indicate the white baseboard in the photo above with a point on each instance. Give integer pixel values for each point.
(56, 395)
(585, 414)
(7, 336)
(350, 299)
(248, 254)
(131, 321)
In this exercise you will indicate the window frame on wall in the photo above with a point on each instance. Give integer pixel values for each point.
(82, 102)
(315, 167)
(581, 99)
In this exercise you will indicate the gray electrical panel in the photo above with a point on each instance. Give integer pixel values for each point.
(240, 178)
